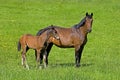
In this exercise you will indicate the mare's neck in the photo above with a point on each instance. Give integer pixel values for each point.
(83, 30)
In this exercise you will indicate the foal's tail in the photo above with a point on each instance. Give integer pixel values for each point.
(19, 46)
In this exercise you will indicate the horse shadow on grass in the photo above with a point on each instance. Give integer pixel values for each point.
(70, 65)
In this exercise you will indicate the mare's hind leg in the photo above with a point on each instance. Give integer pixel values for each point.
(48, 51)
(77, 58)
(24, 61)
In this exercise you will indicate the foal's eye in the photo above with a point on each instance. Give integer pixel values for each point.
(55, 31)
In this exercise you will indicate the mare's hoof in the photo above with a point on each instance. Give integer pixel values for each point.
(78, 65)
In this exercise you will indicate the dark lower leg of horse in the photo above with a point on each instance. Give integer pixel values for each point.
(49, 48)
(80, 54)
(46, 56)
(77, 61)
(46, 60)
(48, 51)
(35, 55)
(41, 58)
(77, 58)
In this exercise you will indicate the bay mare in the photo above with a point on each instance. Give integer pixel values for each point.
(37, 43)
(74, 37)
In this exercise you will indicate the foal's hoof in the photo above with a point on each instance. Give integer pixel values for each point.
(27, 67)
(40, 67)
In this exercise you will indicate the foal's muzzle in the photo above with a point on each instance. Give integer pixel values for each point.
(90, 30)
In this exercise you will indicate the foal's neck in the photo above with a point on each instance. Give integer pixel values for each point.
(48, 36)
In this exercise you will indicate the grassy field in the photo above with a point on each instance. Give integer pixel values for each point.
(101, 56)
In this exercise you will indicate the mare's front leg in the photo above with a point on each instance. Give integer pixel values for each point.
(48, 51)
(78, 54)
(45, 58)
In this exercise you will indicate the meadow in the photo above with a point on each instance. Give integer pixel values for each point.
(101, 55)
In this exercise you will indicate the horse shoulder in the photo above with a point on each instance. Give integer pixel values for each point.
(23, 39)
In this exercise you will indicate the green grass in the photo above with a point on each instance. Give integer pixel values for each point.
(101, 56)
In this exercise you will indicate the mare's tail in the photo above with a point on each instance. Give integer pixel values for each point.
(19, 46)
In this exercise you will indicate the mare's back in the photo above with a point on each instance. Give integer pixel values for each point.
(63, 31)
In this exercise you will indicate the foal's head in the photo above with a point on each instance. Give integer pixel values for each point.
(53, 33)
(88, 21)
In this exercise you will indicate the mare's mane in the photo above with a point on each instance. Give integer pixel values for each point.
(82, 22)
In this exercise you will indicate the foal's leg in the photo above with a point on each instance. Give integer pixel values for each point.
(41, 56)
(38, 58)
(24, 61)
(23, 57)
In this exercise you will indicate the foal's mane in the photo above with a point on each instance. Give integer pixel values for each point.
(43, 30)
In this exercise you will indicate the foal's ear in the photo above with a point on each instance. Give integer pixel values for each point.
(86, 13)
(91, 14)
(53, 29)
(51, 25)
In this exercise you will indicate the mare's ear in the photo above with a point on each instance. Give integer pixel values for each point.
(91, 14)
(86, 13)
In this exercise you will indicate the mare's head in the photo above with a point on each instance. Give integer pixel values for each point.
(88, 21)
(53, 33)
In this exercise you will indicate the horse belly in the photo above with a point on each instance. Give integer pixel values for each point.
(34, 44)
(63, 43)
(66, 38)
